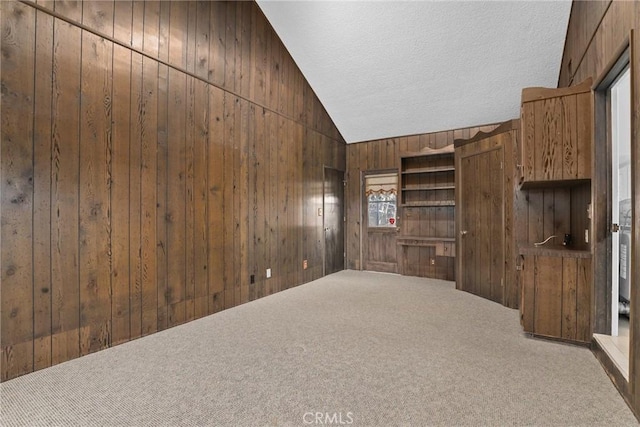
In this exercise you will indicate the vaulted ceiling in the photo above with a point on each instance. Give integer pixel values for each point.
(391, 68)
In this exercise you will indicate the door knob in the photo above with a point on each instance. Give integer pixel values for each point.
(463, 233)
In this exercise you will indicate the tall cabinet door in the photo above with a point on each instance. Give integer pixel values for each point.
(480, 201)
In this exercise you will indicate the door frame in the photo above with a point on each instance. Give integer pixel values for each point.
(602, 218)
(601, 204)
(324, 236)
(364, 214)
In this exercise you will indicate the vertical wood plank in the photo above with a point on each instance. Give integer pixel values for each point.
(178, 36)
(274, 61)
(283, 237)
(203, 33)
(584, 118)
(548, 220)
(216, 219)
(189, 199)
(71, 9)
(217, 43)
(252, 203)
(261, 188)
(135, 197)
(244, 49)
(149, 199)
(161, 197)
(65, 342)
(16, 231)
(569, 302)
(192, 36)
(42, 192)
(259, 59)
(528, 294)
(241, 213)
(176, 190)
(583, 303)
(230, 65)
(228, 200)
(570, 138)
(95, 177)
(120, 256)
(164, 35)
(274, 229)
(122, 25)
(99, 15)
(137, 30)
(200, 190)
(150, 41)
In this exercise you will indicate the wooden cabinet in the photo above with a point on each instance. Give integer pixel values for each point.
(556, 293)
(555, 200)
(484, 214)
(556, 134)
(426, 243)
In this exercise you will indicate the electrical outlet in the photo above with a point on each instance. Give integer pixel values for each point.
(304, 264)
(586, 235)
(433, 261)
(268, 273)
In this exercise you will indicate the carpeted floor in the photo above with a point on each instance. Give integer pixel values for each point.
(361, 349)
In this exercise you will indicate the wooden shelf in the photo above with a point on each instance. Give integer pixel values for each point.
(429, 170)
(427, 238)
(427, 204)
(429, 187)
(553, 251)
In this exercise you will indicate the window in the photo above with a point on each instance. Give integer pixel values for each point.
(381, 193)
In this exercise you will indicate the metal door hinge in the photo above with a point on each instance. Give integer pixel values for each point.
(615, 228)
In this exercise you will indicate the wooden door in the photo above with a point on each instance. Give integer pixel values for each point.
(481, 223)
(333, 203)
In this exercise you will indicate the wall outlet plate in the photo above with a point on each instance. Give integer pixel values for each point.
(586, 235)
(268, 273)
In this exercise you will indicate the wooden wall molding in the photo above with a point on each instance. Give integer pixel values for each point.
(531, 94)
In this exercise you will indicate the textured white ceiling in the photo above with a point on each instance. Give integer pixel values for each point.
(390, 68)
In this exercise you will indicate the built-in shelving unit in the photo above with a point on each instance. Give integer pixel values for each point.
(426, 243)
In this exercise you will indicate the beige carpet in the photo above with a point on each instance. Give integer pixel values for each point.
(361, 349)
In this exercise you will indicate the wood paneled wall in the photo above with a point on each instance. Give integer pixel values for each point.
(157, 158)
(380, 155)
(597, 30)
